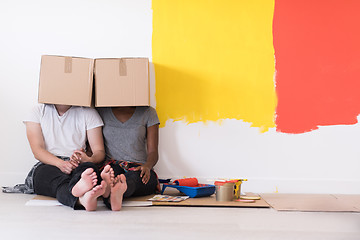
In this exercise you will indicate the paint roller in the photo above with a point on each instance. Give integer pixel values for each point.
(188, 182)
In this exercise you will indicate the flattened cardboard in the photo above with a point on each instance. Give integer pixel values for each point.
(350, 200)
(190, 202)
(40, 200)
(206, 202)
(280, 202)
(41, 197)
(122, 82)
(66, 80)
(313, 202)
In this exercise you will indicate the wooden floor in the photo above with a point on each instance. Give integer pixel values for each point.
(18, 221)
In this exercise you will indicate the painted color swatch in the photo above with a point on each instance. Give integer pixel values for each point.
(214, 60)
(317, 50)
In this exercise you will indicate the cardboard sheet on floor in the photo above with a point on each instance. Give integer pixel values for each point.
(206, 202)
(40, 200)
(313, 202)
(210, 201)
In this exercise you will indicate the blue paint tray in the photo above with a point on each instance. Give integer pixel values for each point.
(201, 190)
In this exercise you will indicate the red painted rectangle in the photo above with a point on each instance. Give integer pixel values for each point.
(317, 51)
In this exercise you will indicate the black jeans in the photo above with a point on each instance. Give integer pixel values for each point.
(51, 181)
(135, 186)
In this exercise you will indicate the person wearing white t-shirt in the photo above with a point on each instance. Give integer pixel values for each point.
(57, 135)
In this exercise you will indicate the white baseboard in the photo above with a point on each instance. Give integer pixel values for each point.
(329, 186)
(321, 186)
(313, 186)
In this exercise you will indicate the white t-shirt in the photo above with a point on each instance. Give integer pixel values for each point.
(67, 133)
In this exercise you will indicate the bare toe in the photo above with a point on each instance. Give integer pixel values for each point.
(117, 192)
(89, 199)
(87, 181)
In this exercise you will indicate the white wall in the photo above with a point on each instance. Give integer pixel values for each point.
(322, 161)
(29, 29)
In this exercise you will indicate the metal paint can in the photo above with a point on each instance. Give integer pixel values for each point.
(224, 190)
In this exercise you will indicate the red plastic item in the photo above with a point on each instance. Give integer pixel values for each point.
(221, 183)
(188, 182)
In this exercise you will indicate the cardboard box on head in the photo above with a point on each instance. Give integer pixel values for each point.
(122, 82)
(118, 81)
(66, 80)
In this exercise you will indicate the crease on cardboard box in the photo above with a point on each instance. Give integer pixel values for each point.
(68, 65)
(122, 67)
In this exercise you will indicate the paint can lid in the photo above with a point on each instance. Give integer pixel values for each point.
(222, 183)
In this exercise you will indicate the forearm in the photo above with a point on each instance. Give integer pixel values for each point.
(46, 157)
(97, 156)
(37, 145)
(152, 146)
(96, 144)
(152, 159)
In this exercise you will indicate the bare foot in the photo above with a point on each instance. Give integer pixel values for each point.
(108, 176)
(87, 181)
(117, 192)
(89, 199)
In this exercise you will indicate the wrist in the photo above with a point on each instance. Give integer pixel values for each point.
(147, 165)
(96, 157)
(86, 159)
(58, 163)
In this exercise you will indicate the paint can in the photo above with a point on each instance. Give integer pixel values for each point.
(224, 190)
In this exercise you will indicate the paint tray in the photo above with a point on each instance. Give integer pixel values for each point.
(201, 190)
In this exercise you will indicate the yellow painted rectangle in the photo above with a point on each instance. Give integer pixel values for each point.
(214, 59)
